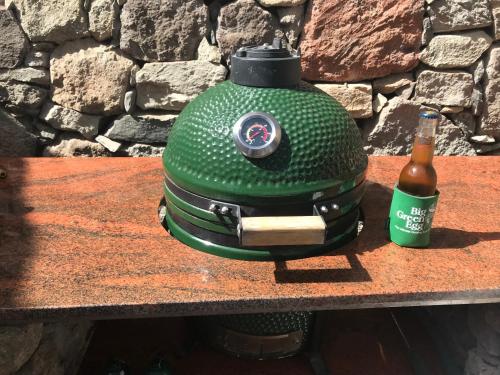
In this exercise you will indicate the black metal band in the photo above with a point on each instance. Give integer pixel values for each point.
(338, 227)
(336, 190)
(305, 208)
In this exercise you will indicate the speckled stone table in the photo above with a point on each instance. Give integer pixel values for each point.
(81, 238)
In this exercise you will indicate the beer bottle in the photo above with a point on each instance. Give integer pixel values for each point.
(418, 177)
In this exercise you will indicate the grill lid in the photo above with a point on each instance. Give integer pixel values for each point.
(320, 149)
(266, 66)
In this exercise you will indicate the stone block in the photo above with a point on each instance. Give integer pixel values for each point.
(15, 138)
(168, 30)
(355, 97)
(389, 84)
(456, 50)
(22, 97)
(72, 144)
(207, 52)
(451, 88)
(17, 343)
(348, 41)
(172, 85)
(90, 77)
(495, 12)
(13, 43)
(244, 23)
(52, 20)
(111, 145)
(36, 76)
(70, 120)
(104, 17)
(454, 15)
(143, 150)
(392, 131)
(61, 349)
(490, 117)
(142, 127)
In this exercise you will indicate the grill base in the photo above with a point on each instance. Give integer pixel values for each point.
(259, 336)
(276, 253)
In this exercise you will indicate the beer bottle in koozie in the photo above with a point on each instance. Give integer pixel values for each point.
(415, 196)
(418, 177)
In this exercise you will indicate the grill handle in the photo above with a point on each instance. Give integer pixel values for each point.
(282, 230)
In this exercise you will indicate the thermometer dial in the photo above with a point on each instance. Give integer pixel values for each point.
(257, 134)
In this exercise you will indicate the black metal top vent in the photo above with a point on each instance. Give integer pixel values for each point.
(266, 65)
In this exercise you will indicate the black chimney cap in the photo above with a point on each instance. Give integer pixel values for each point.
(266, 65)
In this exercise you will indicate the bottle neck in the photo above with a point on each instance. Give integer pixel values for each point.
(423, 147)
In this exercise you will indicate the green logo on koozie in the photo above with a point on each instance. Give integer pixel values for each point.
(410, 218)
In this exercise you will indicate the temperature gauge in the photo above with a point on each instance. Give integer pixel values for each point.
(257, 134)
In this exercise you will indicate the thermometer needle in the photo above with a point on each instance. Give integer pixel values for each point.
(255, 134)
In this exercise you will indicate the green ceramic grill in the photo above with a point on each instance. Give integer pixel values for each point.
(263, 166)
(259, 336)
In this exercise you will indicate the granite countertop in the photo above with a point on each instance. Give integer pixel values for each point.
(81, 238)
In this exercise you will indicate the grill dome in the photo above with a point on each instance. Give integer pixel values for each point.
(320, 149)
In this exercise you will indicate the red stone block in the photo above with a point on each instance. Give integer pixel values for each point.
(356, 40)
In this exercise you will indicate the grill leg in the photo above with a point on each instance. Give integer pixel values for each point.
(315, 357)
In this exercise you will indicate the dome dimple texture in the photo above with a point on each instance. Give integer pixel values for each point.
(320, 146)
(265, 324)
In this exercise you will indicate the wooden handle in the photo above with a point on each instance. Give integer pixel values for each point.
(282, 230)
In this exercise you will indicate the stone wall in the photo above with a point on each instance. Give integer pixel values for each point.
(108, 77)
(43, 348)
(467, 338)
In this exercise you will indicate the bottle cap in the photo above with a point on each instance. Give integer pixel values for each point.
(429, 114)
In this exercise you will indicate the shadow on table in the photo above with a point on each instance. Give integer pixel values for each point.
(356, 273)
(446, 238)
(16, 238)
(375, 207)
(374, 236)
